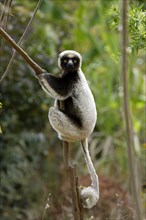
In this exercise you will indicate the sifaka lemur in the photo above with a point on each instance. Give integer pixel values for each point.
(76, 121)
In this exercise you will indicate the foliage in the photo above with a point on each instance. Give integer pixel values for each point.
(136, 23)
(31, 155)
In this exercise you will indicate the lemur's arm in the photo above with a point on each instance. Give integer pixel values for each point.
(56, 87)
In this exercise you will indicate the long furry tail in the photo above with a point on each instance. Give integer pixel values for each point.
(89, 195)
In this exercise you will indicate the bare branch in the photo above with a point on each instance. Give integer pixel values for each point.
(5, 14)
(4, 19)
(66, 153)
(75, 195)
(128, 124)
(20, 41)
(33, 65)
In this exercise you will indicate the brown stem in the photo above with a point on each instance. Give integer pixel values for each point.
(127, 113)
(66, 153)
(4, 19)
(74, 190)
(33, 65)
(20, 41)
(5, 14)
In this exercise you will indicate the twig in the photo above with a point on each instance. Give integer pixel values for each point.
(46, 206)
(71, 170)
(33, 64)
(66, 153)
(4, 19)
(5, 14)
(128, 125)
(74, 190)
(20, 41)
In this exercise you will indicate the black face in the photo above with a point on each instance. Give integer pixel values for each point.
(70, 64)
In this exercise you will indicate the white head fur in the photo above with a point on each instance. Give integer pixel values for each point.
(70, 54)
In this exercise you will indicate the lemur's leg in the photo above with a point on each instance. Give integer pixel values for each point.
(67, 130)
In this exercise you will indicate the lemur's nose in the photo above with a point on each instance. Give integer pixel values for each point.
(70, 64)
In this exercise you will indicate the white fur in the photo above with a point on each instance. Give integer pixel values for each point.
(85, 105)
(70, 54)
(48, 89)
(89, 197)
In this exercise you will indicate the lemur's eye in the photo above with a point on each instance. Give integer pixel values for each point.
(75, 60)
(65, 61)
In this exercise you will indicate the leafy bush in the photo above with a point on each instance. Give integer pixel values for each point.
(136, 24)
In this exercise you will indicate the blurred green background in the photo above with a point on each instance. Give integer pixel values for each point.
(31, 155)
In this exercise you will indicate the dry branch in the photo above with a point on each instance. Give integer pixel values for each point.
(4, 18)
(75, 195)
(127, 114)
(5, 14)
(72, 173)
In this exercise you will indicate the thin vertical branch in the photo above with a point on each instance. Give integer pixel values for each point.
(71, 170)
(20, 41)
(66, 153)
(128, 124)
(5, 14)
(46, 206)
(74, 190)
(4, 19)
